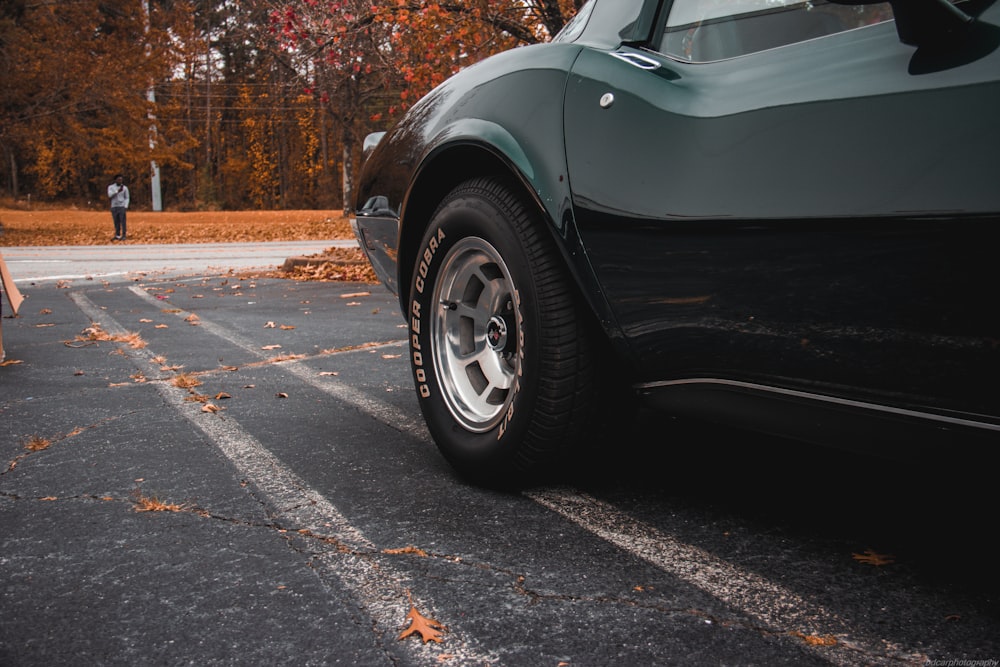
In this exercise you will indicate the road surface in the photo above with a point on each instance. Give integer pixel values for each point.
(108, 262)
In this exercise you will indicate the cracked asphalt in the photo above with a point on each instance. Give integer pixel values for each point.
(304, 511)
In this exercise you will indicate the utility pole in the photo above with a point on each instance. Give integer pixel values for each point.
(154, 169)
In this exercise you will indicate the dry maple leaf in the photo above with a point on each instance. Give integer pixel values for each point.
(869, 557)
(36, 444)
(428, 629)
(209, 407)
(153, 504)
(185, 381)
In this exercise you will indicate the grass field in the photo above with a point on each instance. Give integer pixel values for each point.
(86, 227)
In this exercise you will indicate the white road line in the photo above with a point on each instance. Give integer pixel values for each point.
(379, 588)
(775, 607)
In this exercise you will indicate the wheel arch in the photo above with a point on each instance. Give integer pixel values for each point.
(439, 174)
(543, 187)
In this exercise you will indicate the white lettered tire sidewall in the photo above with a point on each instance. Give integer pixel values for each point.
(472, 222)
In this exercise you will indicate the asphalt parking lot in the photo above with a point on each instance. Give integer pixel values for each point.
(231, 469)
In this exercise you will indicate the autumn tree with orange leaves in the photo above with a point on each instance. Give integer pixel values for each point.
(370, 59)
(258, 103)
(73, 82)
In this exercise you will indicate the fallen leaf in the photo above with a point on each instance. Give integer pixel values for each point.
(869, 557)
(329, 373)
(270, 325)
(408, 549)
(222, 395)
(209, 407)
(162, 326)
(11, 362)
(281, 394)
(50, 498)
(813, 640)
(354, 295)
(185, 381)
(44, 325)
(145, 320)
(287, 327)
(271, 347)
(428, 629)
(391, 356)
(36, 444)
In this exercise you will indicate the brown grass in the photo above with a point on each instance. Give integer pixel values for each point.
(83, 227)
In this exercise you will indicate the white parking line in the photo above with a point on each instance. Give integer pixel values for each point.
(381, 589)
(791, 617)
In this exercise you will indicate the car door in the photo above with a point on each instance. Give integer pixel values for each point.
(817, 216)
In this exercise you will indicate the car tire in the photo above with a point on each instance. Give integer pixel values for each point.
(500, 353)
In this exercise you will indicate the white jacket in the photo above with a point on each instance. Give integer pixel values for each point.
(119, 198)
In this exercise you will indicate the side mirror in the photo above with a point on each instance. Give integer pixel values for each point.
(371, 141)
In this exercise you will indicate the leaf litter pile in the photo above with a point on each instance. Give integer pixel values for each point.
(71, 226)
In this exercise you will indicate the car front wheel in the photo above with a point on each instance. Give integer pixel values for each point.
(500, 355)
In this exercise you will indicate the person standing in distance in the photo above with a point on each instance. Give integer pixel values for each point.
(118, 193)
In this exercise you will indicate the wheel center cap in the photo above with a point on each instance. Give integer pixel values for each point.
(496, 333)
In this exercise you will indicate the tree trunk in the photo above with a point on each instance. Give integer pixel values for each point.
(13, 173)
(348, 141)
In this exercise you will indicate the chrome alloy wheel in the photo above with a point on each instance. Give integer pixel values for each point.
(474, 334)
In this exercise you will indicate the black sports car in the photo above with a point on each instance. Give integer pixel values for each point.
(776, 213)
